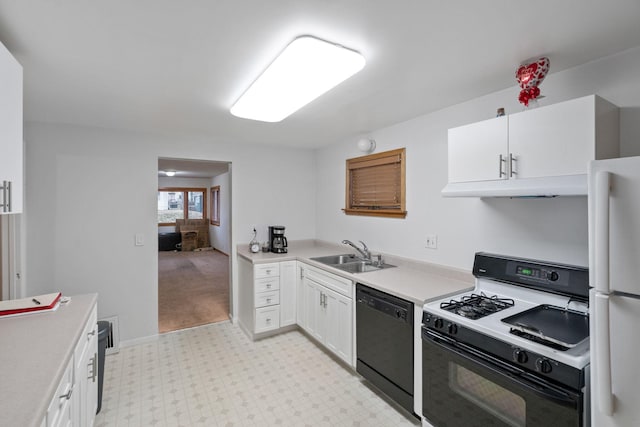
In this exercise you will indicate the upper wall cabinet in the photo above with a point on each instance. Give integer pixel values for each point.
(538, 152)
(11, 145)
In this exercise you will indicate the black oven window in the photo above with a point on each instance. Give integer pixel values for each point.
(492, 398)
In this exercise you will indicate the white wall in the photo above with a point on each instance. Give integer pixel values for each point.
(90, 190)
(220, 235)
(551, 229)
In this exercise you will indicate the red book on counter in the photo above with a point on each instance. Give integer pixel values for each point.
(48, 302)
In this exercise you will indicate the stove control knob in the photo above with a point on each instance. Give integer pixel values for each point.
(552, 275)
(520, 356)
(544, 366)
(438, 323)
(452, 328)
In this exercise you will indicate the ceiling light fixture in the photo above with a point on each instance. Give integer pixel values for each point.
(307, 68)
(170, 173)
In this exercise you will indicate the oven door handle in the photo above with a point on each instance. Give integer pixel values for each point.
(537, 387)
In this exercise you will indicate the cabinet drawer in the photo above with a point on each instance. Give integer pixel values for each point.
(58, 413)
(266, 270)
(267, 318)
(264, 299)
(267, 284)
(339, 284)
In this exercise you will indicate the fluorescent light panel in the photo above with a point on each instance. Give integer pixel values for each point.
(307, 68)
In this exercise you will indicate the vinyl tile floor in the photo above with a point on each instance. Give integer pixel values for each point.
(213, 375)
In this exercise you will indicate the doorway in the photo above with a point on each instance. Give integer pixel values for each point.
(194, 243)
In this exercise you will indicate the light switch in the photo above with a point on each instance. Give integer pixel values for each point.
(139, 239)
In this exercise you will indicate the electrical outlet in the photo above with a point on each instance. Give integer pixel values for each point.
(432, 241)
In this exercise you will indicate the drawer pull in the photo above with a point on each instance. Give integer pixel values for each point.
(268, 300)
(68, 395)
(268, 320)
(268, 271)
(93, 373)
(268, 285)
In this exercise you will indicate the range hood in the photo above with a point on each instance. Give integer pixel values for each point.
(548, 186)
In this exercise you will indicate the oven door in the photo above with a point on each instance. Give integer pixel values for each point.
(465, 387)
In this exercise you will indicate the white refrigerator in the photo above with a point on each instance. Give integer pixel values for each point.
(614, 298)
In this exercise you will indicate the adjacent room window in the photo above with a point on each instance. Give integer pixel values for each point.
(215, 205)
(376, 185)
(181, 203)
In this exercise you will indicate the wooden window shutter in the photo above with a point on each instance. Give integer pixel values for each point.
(376, 185)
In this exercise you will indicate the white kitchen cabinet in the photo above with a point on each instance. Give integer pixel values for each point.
(561, 139)
(339, 313)
(301, 312)
(85, 398)
(11, 143)
(60, 410)
(327, 305)
(477, 151)
(75, 400)
(555, 140)
(288, 292)
(267, 296)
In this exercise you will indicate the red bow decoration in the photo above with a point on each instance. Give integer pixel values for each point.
(529, 76)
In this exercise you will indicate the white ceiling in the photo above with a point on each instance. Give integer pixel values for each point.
(191, 168)
(177, 66)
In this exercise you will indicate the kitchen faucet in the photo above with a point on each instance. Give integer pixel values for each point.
(366, 255)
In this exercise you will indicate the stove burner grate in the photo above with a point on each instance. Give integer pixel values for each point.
(475, 306)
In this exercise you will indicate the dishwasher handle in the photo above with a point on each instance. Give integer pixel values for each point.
(397, 308)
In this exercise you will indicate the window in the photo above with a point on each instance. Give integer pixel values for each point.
(376, 185)
(181, 203)
(215, 205)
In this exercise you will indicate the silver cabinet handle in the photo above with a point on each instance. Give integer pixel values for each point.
(268, 300)
(6, 196)
(9, 209)
(67, 395)
(90, 334)
(268, 320)
(512, 169)
(94, 368)
(502, 161)
(268, 285)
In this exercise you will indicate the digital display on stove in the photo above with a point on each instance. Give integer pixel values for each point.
(527, 271)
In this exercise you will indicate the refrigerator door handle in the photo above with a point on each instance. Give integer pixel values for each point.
(602, 232)
(604, 393)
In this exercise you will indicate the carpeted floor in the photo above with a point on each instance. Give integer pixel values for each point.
(193, 289)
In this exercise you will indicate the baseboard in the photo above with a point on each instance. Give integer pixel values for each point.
(223, 253)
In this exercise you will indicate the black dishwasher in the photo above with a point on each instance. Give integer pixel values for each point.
(384, 343)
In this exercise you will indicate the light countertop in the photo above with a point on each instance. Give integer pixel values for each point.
(414, 281)
(35, 349)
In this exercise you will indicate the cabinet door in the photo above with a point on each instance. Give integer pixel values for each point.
(475, 150)
(338, 317)
(301, 309)
(84, 399)
(287, 293)
(314, 310)
(555, 140)
(11, 152)
(91, 370)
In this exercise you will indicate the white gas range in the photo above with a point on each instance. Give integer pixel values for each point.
(517, 342)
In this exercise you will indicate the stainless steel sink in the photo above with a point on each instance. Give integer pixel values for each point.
(336, 259)
(361, 267)
(350, 263)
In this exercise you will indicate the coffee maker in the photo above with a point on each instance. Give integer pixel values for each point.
(277, 241)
